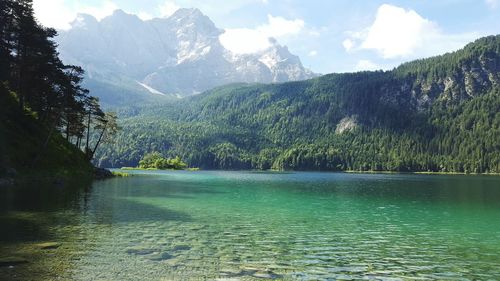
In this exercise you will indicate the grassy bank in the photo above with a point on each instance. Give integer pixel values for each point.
(138, 169)
(120, 174)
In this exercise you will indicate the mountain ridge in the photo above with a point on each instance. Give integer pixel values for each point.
(409, 119)
(179, 56)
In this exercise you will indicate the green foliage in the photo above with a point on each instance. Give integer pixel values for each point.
(23, 138)
(155, 160)
(49, 100)
(120, 174)
(440, 114)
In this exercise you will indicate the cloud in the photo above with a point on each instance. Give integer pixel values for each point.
(313, 53)
(400, 33)
(60, 13)
(493, 3)
(145, 16)
(99, 12)
(348, 45)
(366, 65)
(168, 8)
(220, 8)
(246, 40)
(53, 13)
(397, 32)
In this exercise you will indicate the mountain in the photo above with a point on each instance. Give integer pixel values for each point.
(129, 60)
(440, 114)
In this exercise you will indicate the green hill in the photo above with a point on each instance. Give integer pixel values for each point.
(42, 99)
(29, 147)
(440, 114)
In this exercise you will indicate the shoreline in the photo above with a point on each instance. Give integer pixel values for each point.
(319, 171)
(423, 173)
(153, 169)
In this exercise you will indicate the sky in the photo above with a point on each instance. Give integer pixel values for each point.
(328, 35)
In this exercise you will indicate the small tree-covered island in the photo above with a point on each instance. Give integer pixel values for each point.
(362, 174)
(155, 160)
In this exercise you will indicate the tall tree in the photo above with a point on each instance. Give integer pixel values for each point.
(94, 113)
(30, 67)
(108, 127)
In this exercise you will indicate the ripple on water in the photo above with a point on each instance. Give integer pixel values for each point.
(244, 229)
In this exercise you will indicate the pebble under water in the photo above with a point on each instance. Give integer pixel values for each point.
(254, 226)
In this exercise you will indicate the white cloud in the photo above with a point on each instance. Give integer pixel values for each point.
(145, 16)
(99, 12)
(364, 65)
(493, 3)
(400, 33)
(60, 13)
(348, 45)
(168, 8)
(279, 26)
(313, 53)
(397, 32)
(246, 40)
(53, 13)
(218, 9)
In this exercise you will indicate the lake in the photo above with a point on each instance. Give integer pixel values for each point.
(254, 226)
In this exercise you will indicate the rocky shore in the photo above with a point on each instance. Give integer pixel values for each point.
(102, 174)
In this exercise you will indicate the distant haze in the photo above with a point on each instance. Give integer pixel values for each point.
(128, 59)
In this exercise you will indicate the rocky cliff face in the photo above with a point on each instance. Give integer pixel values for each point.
(419, 87)
(176, 56)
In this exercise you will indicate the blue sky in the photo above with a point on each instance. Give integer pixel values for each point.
(329, 36)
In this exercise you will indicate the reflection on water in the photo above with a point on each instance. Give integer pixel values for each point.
(249, 226)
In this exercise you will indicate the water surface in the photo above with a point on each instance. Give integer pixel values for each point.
(252, 226)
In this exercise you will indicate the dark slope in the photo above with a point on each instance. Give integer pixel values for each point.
(437, 114)
(24, 146)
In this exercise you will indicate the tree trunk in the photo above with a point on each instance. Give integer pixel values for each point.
(97, 144)
(88, 135)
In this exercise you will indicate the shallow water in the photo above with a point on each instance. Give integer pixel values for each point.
(249, 226)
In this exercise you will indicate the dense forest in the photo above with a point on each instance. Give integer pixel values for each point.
(440, 114)
(47, 118)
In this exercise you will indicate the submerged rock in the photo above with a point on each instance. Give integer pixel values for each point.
(48, 245)
(102, 174)
(267, 275)
(11, 172)
(59, 182)
(141, 251)
(181, 248)
(12, 261)
(6, 182)
(161, 257)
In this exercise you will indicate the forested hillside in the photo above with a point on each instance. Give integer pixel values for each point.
(44, 111)
(440, 114)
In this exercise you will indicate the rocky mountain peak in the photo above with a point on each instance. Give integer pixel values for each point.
(121, 17)
(84, 21)
(187, 13)
(179, 56)
(193, 20)
(277, 54)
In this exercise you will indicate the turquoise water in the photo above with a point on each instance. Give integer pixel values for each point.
(253, 226)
